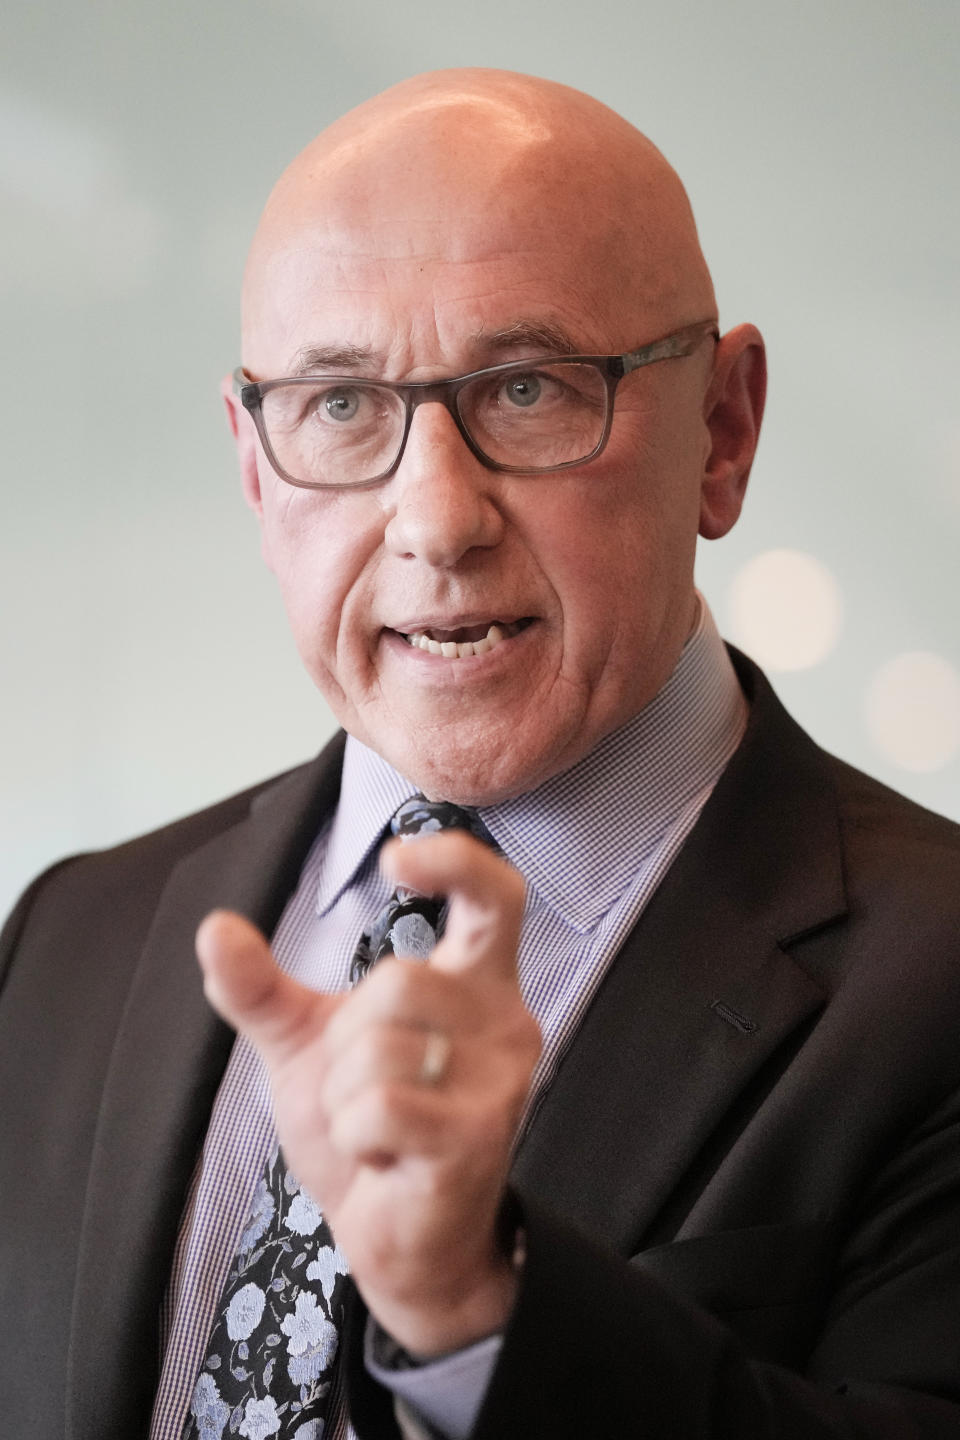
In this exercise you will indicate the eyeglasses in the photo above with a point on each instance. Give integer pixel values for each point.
(333, 432)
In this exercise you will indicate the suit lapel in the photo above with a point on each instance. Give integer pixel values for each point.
(701, 996)
(167, 1061)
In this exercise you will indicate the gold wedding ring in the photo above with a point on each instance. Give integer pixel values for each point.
(436, 1054)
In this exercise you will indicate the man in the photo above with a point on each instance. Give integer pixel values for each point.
(739, 955)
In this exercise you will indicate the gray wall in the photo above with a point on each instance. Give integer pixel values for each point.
(146, 663)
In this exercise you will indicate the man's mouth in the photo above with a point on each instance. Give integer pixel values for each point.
(465, 640)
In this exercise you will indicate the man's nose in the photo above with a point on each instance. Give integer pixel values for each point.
(443, 499)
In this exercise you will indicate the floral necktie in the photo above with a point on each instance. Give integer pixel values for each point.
(271, 1355)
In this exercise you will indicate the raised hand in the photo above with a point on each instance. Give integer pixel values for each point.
(397, 1103)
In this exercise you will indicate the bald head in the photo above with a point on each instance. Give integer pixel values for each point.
(470, 163)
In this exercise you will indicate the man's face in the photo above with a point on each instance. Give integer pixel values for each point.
(587, 572)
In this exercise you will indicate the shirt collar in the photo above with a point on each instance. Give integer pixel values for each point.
(370, 792)
(579, 838)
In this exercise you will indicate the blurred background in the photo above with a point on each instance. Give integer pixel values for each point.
(146, 664)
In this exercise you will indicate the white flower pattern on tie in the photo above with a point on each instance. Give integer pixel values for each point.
(286, 1290)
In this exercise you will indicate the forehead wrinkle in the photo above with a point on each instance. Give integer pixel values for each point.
(547, 312)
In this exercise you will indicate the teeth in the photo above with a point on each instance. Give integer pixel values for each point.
(461, 649)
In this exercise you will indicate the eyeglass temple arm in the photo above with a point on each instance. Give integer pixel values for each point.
(672, 347)
(240, 384)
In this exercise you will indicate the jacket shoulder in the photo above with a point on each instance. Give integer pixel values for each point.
(116, 889)
(868, 807)
(788, 761)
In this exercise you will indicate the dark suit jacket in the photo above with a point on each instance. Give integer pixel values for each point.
(762, 1109)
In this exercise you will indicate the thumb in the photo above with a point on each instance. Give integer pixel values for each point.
(247, 988)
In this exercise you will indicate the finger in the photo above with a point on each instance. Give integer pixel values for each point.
(388, 1055)
(245, 986)
(486, 897)
(399, 992)
(383, 1123)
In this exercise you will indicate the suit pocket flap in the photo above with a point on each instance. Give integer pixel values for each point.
(768, 1284)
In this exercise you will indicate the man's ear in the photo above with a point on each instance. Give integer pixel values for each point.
(733, 409)
(244, 434)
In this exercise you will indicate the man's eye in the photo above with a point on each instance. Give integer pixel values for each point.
(341, 404)
(522, 390)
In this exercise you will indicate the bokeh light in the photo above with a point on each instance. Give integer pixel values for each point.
(913, 711)
(785, 609)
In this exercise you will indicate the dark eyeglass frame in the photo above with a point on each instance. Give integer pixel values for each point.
(612, 368)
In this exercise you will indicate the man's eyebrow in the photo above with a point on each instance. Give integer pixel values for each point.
(539, 336)
(317, 359)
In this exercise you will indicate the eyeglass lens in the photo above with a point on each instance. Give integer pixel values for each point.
(349, 432)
